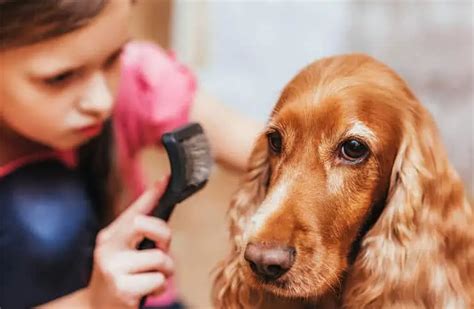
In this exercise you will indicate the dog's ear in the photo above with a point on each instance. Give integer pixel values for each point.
(423, 195)
(229, 290)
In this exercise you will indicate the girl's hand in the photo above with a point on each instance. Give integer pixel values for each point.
(122, 274)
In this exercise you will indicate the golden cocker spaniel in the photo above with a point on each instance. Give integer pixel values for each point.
(349, 201)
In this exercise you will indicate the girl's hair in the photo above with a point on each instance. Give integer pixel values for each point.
(25, 22)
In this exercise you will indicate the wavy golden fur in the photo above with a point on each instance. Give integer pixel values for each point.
(419, 251)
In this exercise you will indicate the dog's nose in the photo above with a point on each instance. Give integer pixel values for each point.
(269, 262)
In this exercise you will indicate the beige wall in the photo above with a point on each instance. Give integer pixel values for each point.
(151, 20)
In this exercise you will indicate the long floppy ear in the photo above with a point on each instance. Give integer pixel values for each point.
(229, 290)
(425, 216)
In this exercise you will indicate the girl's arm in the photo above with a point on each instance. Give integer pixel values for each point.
(230, 134)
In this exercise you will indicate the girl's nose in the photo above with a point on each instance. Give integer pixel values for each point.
(97, 99)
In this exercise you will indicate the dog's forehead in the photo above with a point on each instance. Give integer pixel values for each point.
(337, 91)
(306, 113)
(328, 122)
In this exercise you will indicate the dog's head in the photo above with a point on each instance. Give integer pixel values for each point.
(330, 157)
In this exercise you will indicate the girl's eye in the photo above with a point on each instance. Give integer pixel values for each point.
(275, 141)
(61, 79)
(354, 151)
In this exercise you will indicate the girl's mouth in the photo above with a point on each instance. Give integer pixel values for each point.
(90, 131)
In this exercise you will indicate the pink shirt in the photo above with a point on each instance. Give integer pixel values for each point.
(154, 96)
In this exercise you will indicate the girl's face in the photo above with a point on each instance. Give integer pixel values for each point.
(59, 92)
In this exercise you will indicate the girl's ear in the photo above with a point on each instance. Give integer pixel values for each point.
(229, 290)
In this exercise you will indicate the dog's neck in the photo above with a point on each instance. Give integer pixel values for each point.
(371, 218)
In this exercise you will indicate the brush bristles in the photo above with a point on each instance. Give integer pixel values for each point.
(198, 159)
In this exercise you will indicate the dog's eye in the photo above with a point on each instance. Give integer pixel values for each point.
(274, 141)
(354, 151)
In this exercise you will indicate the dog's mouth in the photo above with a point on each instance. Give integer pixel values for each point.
(286, 284)
(276, 286)
(292, 286)
(306, 279)
(280, 283)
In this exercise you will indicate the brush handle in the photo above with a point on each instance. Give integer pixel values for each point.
(163, 211)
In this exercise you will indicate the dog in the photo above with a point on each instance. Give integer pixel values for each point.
(349, 201)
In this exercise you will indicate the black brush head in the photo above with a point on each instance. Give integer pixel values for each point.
(190, 160)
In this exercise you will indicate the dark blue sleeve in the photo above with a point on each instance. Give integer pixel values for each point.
(47, 233)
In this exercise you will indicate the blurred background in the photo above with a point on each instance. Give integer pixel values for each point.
(244, 52)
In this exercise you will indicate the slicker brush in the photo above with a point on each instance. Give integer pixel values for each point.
(190, 160)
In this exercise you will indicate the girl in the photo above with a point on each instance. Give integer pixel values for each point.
(78, 100)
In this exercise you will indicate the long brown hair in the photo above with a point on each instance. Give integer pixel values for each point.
(25, 22)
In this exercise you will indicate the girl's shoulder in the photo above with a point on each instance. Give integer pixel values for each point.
(153, 86)
(153, 66)
(155, 94)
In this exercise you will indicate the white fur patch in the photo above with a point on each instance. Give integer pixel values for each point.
(439, 278)
(455, 302)
(272, 203)
(335, 180)
(360, 129)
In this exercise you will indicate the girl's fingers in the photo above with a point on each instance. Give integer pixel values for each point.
(151, 260)
(152, 228)
(147, 201)
(143, 204)
(120, 227)
(145, 283)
